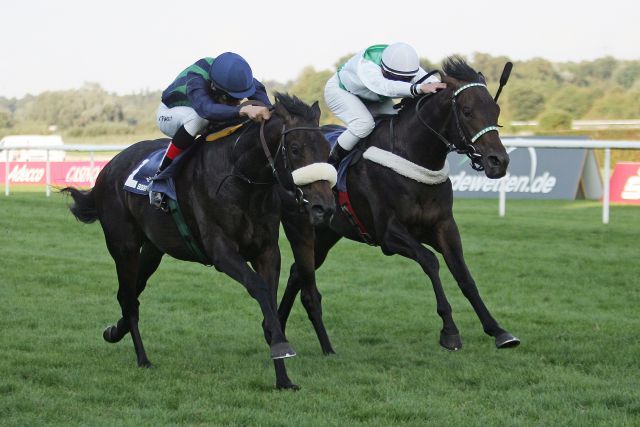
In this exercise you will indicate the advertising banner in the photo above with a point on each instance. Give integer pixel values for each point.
(78, 173)
(533, 173)
(625, 183)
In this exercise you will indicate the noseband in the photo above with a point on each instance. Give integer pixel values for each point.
(467, 147)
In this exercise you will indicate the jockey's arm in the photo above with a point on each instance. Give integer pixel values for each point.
(371, 76)
(261, 94)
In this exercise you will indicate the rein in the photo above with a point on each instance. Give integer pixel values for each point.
(290, 187)
(468, 148)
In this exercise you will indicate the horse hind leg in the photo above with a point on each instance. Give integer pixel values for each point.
(149, 260)
(398, 240)
(124, 243)
(302, 279)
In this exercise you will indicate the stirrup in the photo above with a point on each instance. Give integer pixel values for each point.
(157, 200)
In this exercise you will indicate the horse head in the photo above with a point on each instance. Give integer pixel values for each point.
(299, 161)
(473, 124)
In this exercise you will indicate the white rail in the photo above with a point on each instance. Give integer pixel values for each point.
(607, 145)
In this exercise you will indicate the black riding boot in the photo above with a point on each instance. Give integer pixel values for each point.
(337, 154)
(181, 141)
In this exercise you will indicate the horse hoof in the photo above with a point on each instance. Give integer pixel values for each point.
(288, 386)
(145, 364)
(282, 350)
(110, 334)
(450, 342)
(506, 340)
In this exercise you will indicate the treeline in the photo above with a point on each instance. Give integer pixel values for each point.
(552, 93)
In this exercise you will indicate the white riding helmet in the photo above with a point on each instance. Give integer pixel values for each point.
(400, 60)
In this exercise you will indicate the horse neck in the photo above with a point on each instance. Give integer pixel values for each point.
(415, 142)
(252, 161)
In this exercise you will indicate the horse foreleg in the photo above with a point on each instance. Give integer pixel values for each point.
(397, 240)
(448, 238)
(267, 265)
(225, 258)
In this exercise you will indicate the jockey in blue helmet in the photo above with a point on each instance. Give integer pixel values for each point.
(210, 90)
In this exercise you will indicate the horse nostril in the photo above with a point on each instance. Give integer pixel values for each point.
(493, 161)
(317, 210)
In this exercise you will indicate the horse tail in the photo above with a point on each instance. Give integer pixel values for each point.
(84, 204)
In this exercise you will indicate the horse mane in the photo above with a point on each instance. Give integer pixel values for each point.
(456, 67)
(453, 66)
(295, 105)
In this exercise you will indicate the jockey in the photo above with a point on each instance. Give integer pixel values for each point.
(366, 85)
(208, 91)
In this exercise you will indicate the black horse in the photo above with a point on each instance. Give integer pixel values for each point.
(229, 200)
(399, 213)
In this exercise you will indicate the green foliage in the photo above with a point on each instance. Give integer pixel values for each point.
(555, 120)
(535, 69)
(574, 100)
(309, 86)
(524, 102)
(627, 74)
(617, 104)
(490, 66)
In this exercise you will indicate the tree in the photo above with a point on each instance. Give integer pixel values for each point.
(576, 101)
(309, 86)
(525, 103)
(555, 120)
(617, 104)
(491, 67)
(535, 69)
(627, 74)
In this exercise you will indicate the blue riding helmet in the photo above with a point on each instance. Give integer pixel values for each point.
(230, 73)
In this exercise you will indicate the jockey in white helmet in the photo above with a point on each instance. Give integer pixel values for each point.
(366, 85)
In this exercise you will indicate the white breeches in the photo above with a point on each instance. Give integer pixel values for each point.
(356, 115)
(170, 119)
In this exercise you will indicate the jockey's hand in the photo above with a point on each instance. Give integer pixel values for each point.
(255, 113)
(432, 87)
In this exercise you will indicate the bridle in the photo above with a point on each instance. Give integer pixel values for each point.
(467, 147)
(284, 177)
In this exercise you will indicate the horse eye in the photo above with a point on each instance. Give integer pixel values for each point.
(295, 150)
(467, 111)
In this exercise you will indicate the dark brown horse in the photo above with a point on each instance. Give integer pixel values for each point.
(231, 202)
(401, 212)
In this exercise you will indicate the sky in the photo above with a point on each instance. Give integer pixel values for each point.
(135, 45)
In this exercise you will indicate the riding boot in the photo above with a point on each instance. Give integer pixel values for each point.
(181, 141)
(337, 154)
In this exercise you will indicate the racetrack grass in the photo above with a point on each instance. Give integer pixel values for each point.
(550, 271)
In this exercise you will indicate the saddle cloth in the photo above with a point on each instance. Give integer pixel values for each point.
(139, 180)
(331, 134)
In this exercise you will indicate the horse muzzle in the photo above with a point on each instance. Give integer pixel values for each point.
(495, 165)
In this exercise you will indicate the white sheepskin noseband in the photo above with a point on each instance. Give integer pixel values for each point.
(315, 172)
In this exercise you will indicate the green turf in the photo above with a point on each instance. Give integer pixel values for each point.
(550, 271)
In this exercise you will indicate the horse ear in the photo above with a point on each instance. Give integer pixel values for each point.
(482, 79)
(315, 108)
(282, 112)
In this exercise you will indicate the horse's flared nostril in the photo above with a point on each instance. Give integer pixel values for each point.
(493, 161)
(317, 210)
